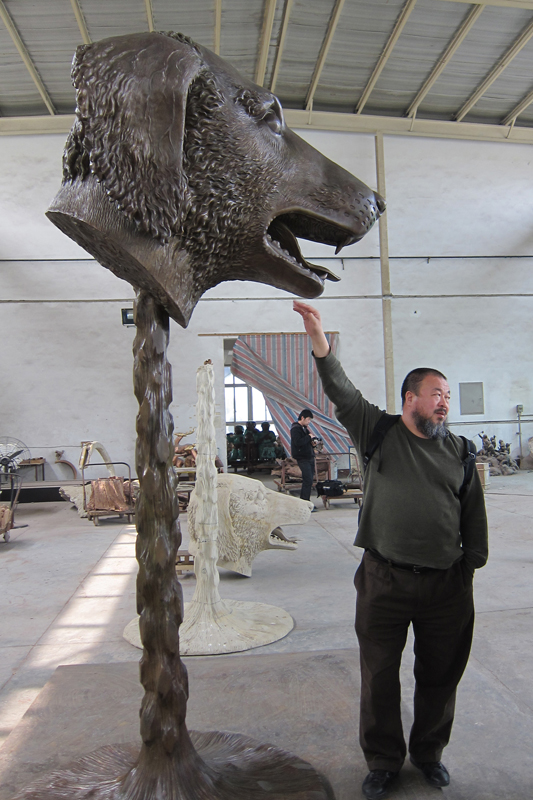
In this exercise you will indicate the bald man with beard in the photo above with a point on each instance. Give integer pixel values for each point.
(424, 533)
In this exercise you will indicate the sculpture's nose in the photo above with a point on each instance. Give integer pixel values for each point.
(380, 203)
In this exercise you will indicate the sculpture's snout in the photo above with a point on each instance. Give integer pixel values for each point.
(381, 203)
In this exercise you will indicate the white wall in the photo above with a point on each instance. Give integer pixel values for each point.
(66, 358)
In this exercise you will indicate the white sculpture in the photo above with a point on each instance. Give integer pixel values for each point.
(87, 449)
(212, 625)
(76, 494)
(249, 520)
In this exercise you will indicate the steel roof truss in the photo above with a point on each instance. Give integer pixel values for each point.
(460, 35)
(24, 54)
(149, 14)
(321, 120)
(266, 35)
(80, 19)
(281, 43)
(504, 62)
(517, 110)
(218, 26)
(525, 4)
(326, 44)
(385, 55)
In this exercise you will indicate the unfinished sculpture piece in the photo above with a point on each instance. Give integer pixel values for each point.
(88, 448)
(77, 494)
(61, 460)
(250, 517)
(212, 625)
(498, 458)
(113, 494)
(117, 495)
(179, 174)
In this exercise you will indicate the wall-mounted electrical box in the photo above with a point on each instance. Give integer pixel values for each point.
(471, 398)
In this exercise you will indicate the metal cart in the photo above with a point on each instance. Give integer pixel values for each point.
(94, 514)
(354, 481)
(10, 483)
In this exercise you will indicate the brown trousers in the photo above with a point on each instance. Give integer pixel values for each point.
(439, 604)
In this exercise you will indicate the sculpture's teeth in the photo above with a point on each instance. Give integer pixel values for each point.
(299, 261)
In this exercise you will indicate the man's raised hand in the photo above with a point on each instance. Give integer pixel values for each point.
(313, 326)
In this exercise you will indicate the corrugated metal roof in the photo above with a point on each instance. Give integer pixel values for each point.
(424, 40)
(486, 43)
(49, 32)
(362, 34)
(306, 30)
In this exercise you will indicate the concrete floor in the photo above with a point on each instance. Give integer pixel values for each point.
(68, 590)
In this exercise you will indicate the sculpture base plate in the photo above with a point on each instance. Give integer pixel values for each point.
(240, 769)
(228, 626)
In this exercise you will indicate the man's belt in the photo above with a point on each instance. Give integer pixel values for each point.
(416, 568)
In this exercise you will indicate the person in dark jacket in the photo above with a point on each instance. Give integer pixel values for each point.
(302, 451)
(423, 538)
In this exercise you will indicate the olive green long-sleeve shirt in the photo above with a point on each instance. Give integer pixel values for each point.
(412, 512)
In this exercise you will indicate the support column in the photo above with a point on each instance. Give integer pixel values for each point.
(386, 298)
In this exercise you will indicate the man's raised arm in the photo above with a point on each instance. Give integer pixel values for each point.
(356, 414)
(313, 326)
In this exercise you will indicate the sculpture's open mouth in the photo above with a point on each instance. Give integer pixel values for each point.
(282, 242)
(278, 540)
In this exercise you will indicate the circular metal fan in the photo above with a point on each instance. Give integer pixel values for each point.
(12, 452)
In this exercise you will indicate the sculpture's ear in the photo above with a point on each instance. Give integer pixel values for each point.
(131, 108)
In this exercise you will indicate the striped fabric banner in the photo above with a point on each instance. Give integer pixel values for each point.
(282, 367)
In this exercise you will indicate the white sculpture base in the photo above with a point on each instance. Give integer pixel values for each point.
(229, 626)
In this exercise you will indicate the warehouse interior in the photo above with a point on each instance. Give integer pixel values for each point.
(429, 102)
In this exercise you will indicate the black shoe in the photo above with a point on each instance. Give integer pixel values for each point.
(377, 783)
(434, 772)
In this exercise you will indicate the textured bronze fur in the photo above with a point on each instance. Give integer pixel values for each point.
(179, 174)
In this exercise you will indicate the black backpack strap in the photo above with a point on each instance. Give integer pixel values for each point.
(382, 426)
(469, 463)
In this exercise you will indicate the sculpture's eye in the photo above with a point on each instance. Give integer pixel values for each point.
(273, 116)
(263, 108)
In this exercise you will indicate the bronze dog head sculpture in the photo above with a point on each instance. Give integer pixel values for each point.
(179, 174)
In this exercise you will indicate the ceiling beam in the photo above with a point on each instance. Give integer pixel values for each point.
(517, 110)
(525, 4)
(24, 54)
(18, 126)
(455, 42)
(402, 126)
(326, 44)
(504, 62)
(281, 43)
(320, 120)
(149, 14)
(387, 50)
(264, 45)
(80, 19)
(218, 26)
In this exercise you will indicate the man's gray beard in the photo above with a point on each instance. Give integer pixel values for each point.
(432, 430)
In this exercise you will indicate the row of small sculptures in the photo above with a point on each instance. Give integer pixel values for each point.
(497, 455)
(253, 445)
